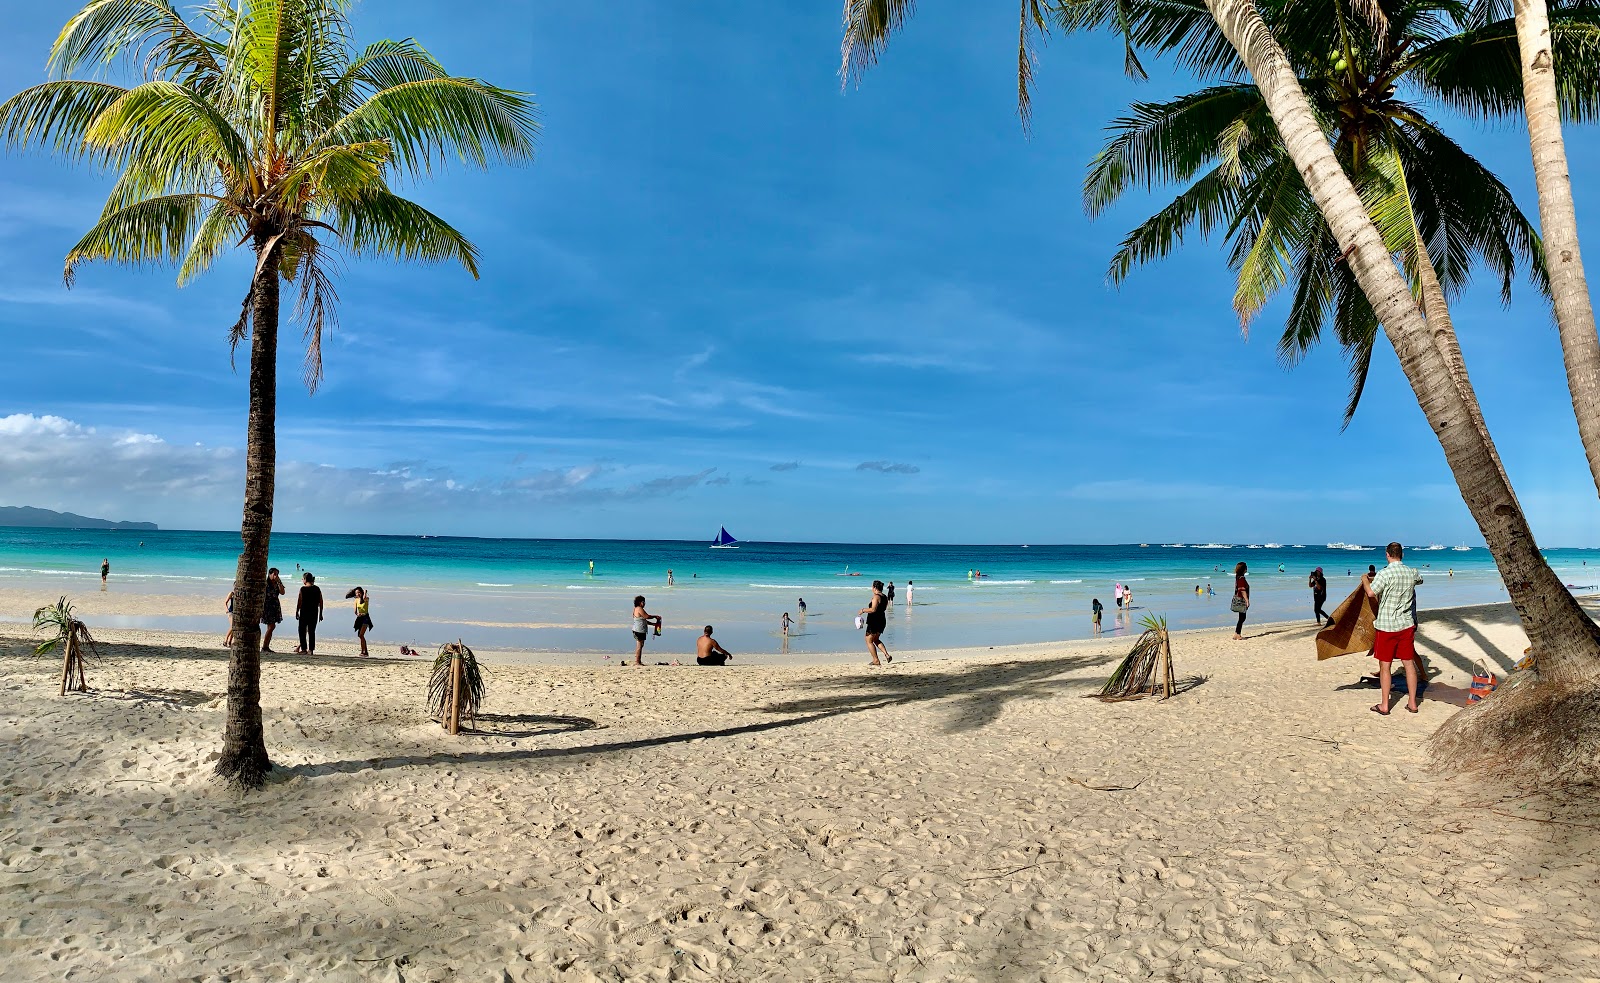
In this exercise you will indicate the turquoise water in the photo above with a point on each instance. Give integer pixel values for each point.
(539, 595)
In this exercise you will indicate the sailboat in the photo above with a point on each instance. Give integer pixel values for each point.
(724, 541)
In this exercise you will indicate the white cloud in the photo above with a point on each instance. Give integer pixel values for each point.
(53, 462)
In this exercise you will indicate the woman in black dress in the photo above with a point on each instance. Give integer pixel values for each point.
(877, 621)
(272, 608)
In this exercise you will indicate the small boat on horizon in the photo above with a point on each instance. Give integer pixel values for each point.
(724, 541)
(1272, 546)
(1463, 548)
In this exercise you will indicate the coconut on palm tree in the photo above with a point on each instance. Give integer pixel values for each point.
(1235, 32)
(259, 123)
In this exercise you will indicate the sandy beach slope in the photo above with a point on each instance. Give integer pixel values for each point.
(928, 821)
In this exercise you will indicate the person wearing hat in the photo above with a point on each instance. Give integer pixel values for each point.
(1319, 596)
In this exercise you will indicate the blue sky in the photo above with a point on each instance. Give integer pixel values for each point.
(729, 293)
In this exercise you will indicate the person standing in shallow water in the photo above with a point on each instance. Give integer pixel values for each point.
(877, 621)
(105, 571)
(1097, 608)
(272, 608)
(1319, 596)
(307, 612)
(642, 620)
(1240, 604)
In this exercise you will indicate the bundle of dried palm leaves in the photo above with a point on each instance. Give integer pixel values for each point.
(453, 696)
(72, 635)
(1147, 671)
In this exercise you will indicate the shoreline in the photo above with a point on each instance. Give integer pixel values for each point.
(344, 646)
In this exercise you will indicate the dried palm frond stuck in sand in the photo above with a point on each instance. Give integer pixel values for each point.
(72, 635)
(1147, 670)
(455, 688)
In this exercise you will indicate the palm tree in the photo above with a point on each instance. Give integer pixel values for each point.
(71, 636)
(259, 123)
(1546, 48)
(1567, 641)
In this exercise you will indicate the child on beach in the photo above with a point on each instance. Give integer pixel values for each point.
(642, 620)
(802, 606)
(786, 623)
(1098, 607)
(363, 616)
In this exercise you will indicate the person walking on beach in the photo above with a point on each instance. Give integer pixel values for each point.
(889, 592)
(1240, 604)
(642, 620)
(708, 652)
(876, 622)
(1127, 598)
(272, 608)
(911, 587)
(105, 571)
(363, 616)
(1395, 626)
(307, 612)
(802, 607)
(1097, 607)
(1319, 596)
(669, 578)
(1116, 592)
(786, 623)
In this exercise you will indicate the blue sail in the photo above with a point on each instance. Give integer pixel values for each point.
(723, 539)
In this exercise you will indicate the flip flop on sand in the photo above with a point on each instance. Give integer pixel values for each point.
(1411, 709)
(1381, 713)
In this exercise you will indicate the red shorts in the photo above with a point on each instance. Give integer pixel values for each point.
(1390, 645)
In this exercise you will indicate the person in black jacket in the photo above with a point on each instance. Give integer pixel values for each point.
(307, 612)
(1319, 596)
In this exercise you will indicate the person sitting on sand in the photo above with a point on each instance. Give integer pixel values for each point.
(363, 615)
(709, 652)
(642, 620)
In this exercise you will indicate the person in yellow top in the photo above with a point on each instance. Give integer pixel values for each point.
(363, 616)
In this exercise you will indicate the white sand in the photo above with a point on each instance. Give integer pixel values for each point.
(919, 822)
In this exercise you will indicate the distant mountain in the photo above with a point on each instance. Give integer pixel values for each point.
(26, 515)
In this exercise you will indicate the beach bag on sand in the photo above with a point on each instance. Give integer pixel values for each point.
(1239, 605)
(1483, 683)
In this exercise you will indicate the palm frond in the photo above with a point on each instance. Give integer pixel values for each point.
(57, 115)
(426, 121)
(166, 128)
(148, 35)
(868, 25)
(156, 230)
(378, 222)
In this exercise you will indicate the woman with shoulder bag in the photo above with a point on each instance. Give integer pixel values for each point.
(1241, 599)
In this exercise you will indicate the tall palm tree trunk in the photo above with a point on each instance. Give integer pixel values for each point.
(244, 760)
(1558, 225)
(1566, 640)
(1437, 313)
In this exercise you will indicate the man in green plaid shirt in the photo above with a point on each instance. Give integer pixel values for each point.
(1395, 627)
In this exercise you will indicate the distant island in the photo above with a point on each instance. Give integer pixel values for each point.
(26, 515)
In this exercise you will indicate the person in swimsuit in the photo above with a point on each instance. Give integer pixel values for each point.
(889, 592)
(307, 612)
(227, 640)
(802, 606)
(272, 608)
(1097, 607)
(876, 622)
(786, 624)
(105, 570)
(1241, 592)
(707, 651)
(642, 620)
(363, 616)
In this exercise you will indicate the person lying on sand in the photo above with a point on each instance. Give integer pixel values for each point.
(708, 652)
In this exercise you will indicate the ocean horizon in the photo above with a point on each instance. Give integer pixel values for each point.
(540, 596)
